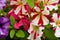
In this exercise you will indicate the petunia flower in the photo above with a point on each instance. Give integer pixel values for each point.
(50, 4)
(35, 32)
(24, 21)
(40, 17)
(2, 3)
(20, 6)
(4, 25)
(56, 24)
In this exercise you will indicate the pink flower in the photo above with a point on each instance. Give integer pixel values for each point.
(24, 21)
(56, 24)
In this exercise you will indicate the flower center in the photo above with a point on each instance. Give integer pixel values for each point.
(58, 22)
(46, 2)
(41, 14)
(0, 25)
(35, 28)
(20, 3)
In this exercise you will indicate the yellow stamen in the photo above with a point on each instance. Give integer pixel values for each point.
(58, 22)
(20, 3)
(46, 2)
(36, 28)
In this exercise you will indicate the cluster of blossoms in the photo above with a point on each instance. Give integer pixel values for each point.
(32, 19)
(39, 17)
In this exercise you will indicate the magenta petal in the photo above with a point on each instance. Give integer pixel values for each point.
(27, 8)
(15, 16)
(18, 25)
(26, 27)
(26, 24)
(21, 23)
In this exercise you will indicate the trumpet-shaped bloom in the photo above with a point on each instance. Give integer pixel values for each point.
(50, 4)
(4, 25)
(35, 32)
(40, 17)
(24, 21)
(20, 6)
(56, 24)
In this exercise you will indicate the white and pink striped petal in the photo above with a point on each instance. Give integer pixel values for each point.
(35, 32)
(56, 24)
(51, 4)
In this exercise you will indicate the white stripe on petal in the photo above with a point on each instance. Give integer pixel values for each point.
(36, 20)
(45, 20)
(51, 7)
(33, 13)
(24, 1)
(37, 9)
(56, 7)
(17, 10)
(23, 10)
(55, 17)
(46, 12)
(53, 23)
(41, 28)
(31, 37)
(40, 31)
(38, 38)
(53, 1)
(57, 32)
(30, 29)
(13, 3)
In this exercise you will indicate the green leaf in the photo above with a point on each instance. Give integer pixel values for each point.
(12, 33)
(48, 26)
(53, 11)
(58, 9)
(20, 34)
(30, 3)
(12, 20)
(11, 27)
(41, 5)
(49, 33)
(8, 8)
(2, 13)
